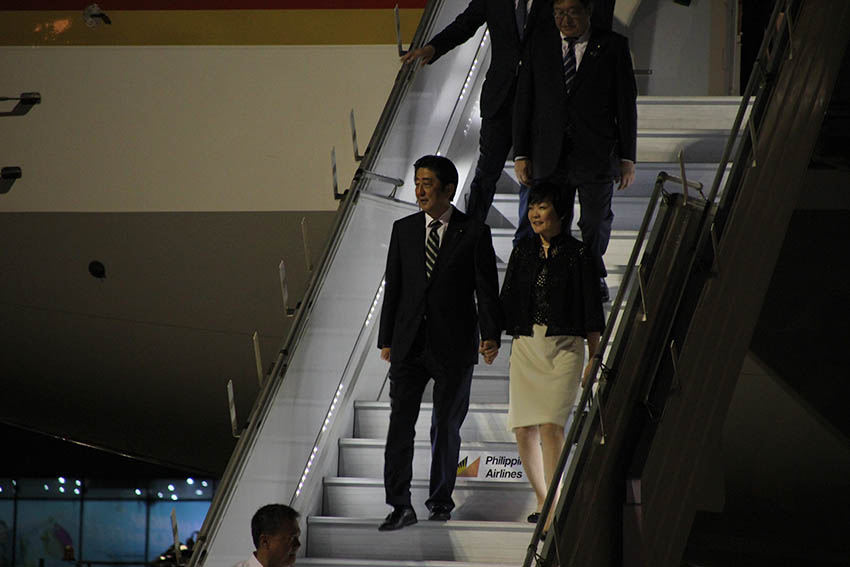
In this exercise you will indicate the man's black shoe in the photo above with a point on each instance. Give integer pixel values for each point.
(603, 291)
(400, 516)
(440, 515)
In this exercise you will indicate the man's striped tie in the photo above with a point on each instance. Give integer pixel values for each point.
(569, 64)
(432, 246)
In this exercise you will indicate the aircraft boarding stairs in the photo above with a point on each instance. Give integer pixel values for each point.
(315, 439)
(489, 526)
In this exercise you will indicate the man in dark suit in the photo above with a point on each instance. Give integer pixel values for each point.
(511, 23)
(439, 261)
(576, 118)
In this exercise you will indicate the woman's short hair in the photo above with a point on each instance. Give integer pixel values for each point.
(551, 192)
(270, 520)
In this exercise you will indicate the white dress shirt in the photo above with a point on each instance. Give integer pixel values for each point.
(579, 47)
(444, 218)
(251, 562)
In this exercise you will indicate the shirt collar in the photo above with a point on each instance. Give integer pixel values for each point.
(444, 218)
(556, 240)
(581, 39)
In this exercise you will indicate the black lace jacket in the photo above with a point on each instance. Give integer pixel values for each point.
(571, 295)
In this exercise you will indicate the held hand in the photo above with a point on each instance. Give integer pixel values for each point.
(385, 354)
(426, 53)
(627, 174)
(522, 168)
(489, 350)
(586, 374)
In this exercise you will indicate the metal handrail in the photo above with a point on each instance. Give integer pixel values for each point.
(264, 400)
(706, 230)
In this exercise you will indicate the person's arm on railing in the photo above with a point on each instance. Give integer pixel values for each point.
(456, 33)
(592, 345)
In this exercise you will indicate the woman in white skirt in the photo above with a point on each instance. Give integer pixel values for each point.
(552, 304)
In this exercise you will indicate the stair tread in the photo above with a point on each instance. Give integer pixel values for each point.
(684, 100)
(461, 482)
(483, 407)
(342, 562)
(362, 442)
(451, 524)
(615, 234)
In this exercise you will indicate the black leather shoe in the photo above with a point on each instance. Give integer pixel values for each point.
(400, 516)
(603, 291)
(533, 517)
(440, 515)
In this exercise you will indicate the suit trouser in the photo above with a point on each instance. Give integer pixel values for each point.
(494, 145)
(595, 218)
(603, 14)
(408, 379)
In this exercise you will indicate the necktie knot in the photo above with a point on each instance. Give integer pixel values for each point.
(435, 224)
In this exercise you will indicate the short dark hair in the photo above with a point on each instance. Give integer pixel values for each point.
(270, 520)
(588, 4)
(551, 192)
(442, 167)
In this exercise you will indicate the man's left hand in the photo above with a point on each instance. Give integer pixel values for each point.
(488, 349)
(627, 174)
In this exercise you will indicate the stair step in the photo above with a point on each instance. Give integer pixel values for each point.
(475, 499)
(489, 382)
(364, 458)
(484, 422)
(456, 540)
(645, 174)
(687, 113)
(336, 562)
(660, 145)
(627, 205)
(628, 211)
(663, 146)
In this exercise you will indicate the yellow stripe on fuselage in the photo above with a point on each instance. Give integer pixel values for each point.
(209, 27)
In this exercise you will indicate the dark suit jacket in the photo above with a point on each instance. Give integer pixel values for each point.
(599, 116)
(574, 305)
(466, 266)
(506, 45)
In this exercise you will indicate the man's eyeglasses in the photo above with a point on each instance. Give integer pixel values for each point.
(573, 13)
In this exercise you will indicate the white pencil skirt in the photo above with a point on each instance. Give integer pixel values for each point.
(545, 377)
